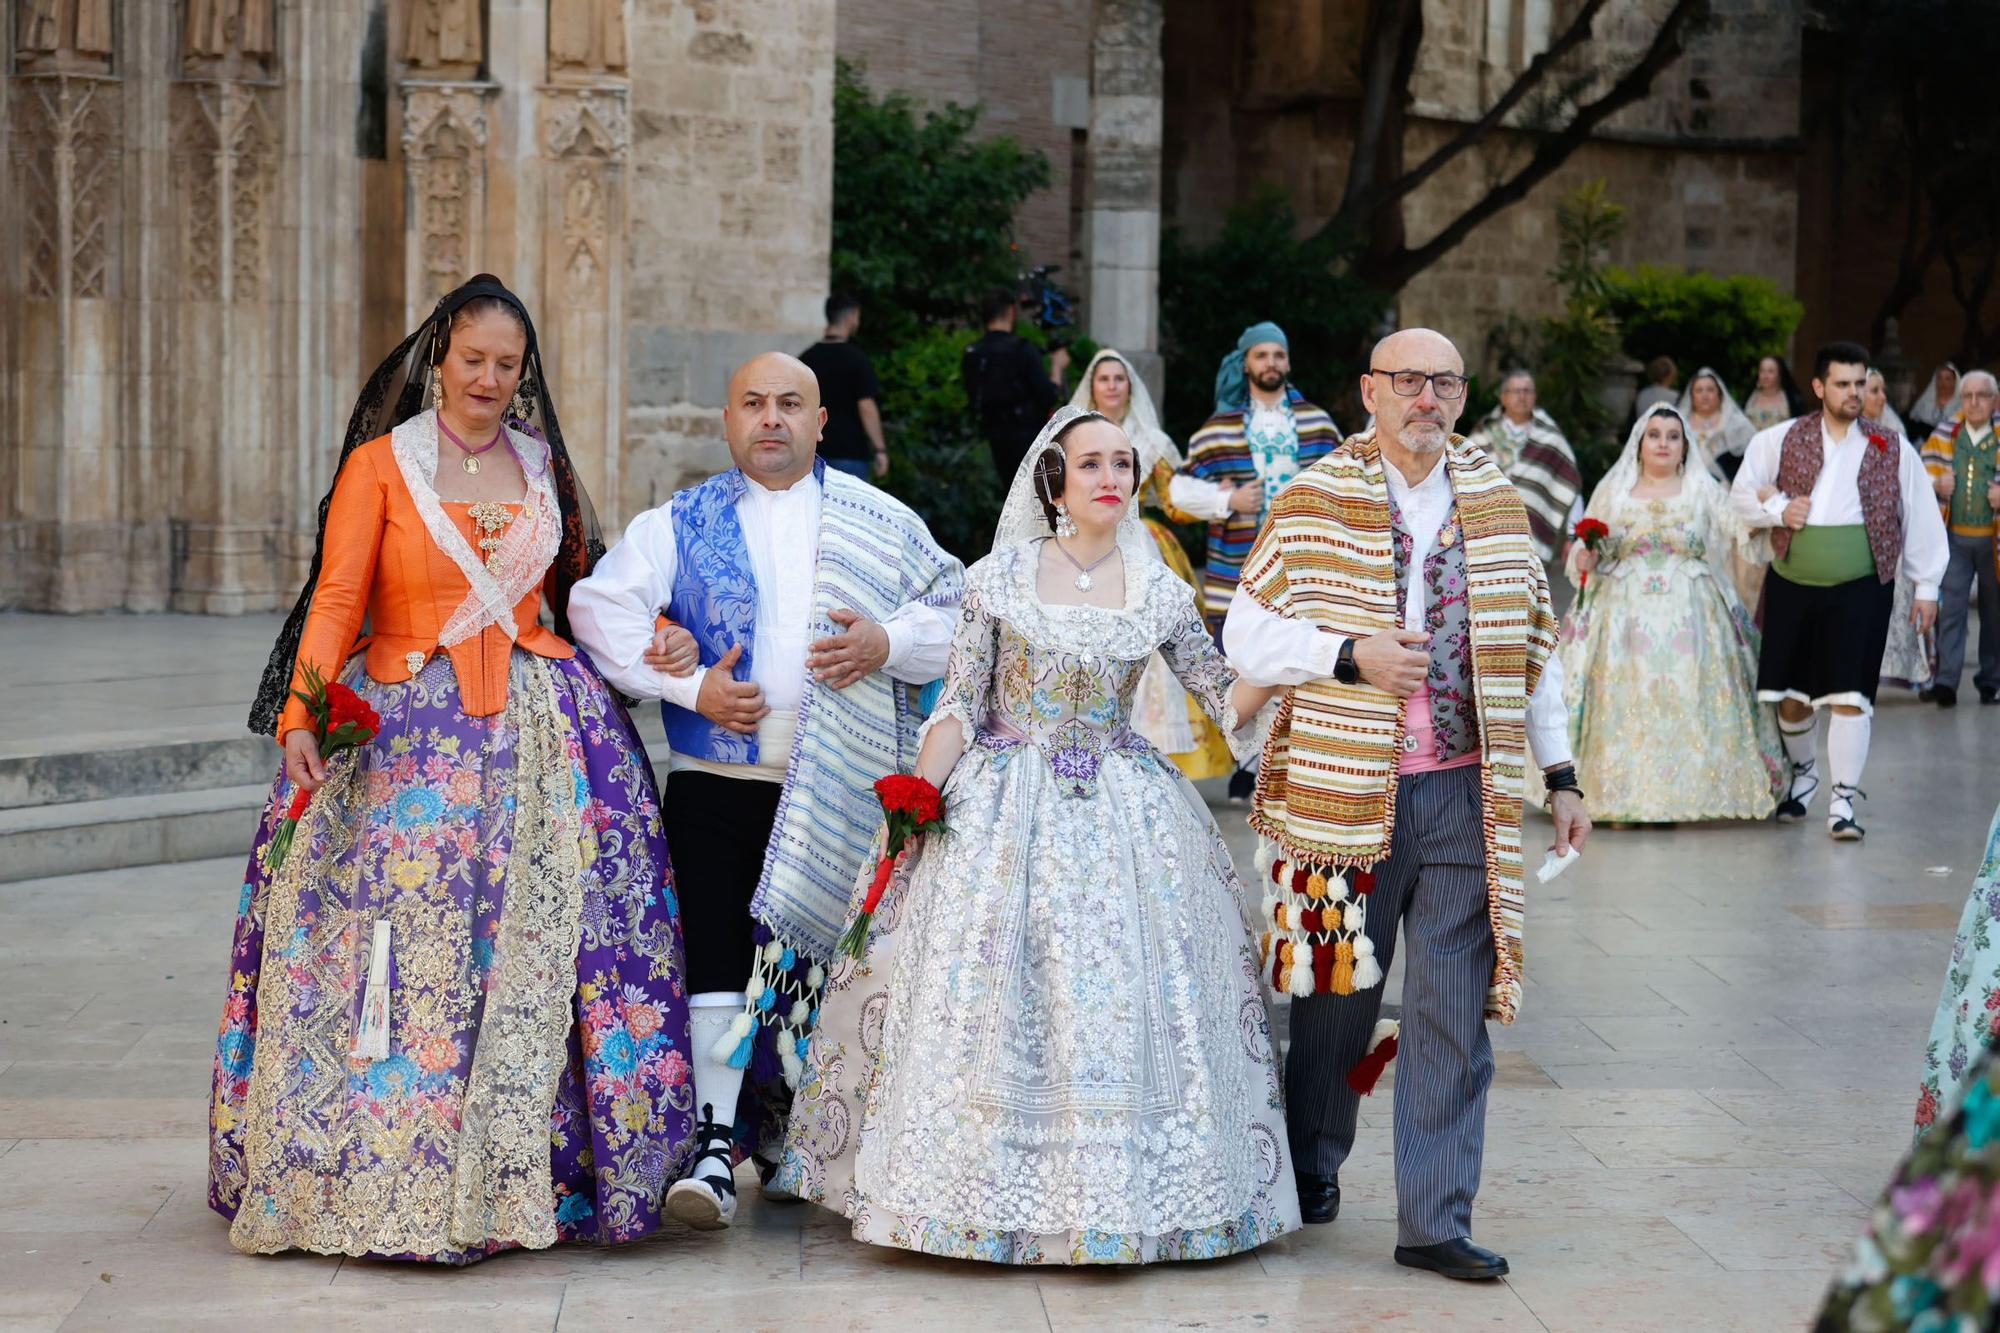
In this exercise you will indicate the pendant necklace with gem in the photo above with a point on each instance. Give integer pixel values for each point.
(471, 460)
(1084, 583)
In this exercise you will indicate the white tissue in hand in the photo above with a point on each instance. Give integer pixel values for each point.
(1554, 865)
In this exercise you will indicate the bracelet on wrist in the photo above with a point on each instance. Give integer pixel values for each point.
(1560, 778)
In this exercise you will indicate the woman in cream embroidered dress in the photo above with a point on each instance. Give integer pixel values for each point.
(1056, 1050)
(491, 863)
(1908, 658)
(1658, 652)
(1163, 712)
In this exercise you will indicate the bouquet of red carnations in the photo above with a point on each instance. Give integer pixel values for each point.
(911, 807)
(342, 720)
(1591, 532)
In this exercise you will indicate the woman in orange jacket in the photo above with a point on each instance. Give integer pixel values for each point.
(456, 1022)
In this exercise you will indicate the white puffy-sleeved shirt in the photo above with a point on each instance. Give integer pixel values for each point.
(1836, 497)
(612, 614)
(1272, 650)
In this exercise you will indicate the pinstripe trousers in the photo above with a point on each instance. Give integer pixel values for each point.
(1434, 884)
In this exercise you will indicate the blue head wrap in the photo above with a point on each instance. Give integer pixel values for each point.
(1232, 387)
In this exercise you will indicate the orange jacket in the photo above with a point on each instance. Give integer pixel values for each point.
(380, 562)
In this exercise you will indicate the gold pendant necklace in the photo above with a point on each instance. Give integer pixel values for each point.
(470, 463)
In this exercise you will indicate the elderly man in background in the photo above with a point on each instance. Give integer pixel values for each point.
(1960, 459)
(1529, 447)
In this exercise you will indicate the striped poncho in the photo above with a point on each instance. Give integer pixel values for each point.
(1220, 452)
(1543, 469)
(1326, 792)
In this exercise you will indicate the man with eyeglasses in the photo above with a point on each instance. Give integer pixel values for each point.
(1398, 590)
(1529, 447)
(1960, 457)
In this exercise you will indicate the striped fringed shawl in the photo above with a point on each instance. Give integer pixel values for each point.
(1219, 452)
(875, 555)
(1543, 470)
(1326, 794)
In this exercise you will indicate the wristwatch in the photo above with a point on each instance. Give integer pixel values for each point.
(1344, 669)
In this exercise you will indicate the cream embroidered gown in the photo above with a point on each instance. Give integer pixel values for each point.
(1056, 1049)
(1661, 666)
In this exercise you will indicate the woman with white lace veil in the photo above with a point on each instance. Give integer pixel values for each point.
(1936, 403)
(1164, 713)
(1658, 652)
(1055, 1048)
(1715, 421)
(1908, 658)
(1718, 430)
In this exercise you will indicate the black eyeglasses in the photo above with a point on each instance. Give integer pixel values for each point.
(1410, 383)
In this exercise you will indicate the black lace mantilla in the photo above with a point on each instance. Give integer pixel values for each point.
(394, 394)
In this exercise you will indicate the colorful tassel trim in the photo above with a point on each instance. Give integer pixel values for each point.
(1381, 1050)
(1316, 940)
(783, 996)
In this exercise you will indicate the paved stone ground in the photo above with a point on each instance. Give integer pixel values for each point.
(1713, 1074)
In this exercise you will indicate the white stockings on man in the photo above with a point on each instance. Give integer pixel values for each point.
(716, 1082)
(1802, 749)
(1846, 754)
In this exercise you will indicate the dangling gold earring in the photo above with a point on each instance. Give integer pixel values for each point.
(437, 390)
(519, 407)
(1065, 525)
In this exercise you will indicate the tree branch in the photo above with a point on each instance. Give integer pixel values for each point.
(1393, 270)
(1471, 136)
(1382, 91)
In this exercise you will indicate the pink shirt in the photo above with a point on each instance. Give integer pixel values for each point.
(1419, 745)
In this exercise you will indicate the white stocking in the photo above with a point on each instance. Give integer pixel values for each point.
(717, 1083)
(1846, 755)
(1801, 740)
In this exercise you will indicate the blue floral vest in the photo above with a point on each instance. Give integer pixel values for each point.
(715, 598)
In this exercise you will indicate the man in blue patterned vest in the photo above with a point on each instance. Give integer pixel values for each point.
(819, 607)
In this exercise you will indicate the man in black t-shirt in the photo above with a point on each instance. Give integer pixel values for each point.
(1006, 385)
(852, 438)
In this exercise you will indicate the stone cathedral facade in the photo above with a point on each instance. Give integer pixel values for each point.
(220, 214)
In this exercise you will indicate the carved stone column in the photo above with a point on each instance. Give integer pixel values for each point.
(585, 143)
(62, 538)
(444, 168)
(225, 139)
(1122, 223)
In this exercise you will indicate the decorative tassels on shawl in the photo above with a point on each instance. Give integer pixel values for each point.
(1315, 940)
(783, 994)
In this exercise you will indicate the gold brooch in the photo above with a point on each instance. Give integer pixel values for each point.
(415, 661)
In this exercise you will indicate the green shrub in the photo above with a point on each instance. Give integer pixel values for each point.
(1258, 268)
(923, 210)
(1702, 319)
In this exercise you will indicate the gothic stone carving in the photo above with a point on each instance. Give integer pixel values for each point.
(68, 167)
(444, 38)
(229, 39)
(73, 36)
(586, 38)
(444, 162)
(224, 166)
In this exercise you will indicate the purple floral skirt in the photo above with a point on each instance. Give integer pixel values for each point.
(506, 879)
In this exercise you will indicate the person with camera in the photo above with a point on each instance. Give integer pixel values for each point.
(1006, 383)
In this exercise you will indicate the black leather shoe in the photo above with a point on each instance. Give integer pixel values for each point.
(1319, 1196)
(1944, 696)
(1454, 1258)
(1989, 695)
